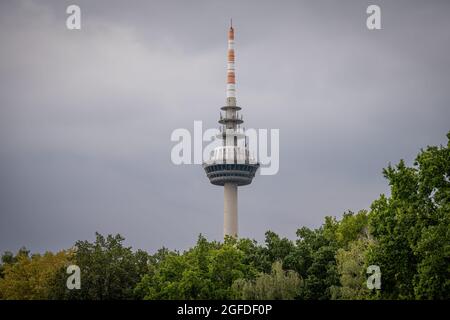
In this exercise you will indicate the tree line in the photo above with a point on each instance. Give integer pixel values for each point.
(406, 234)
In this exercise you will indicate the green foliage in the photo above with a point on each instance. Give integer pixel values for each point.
(313, 259)
(108, 270)
(278, 285)
(206, 271)
(351, 266)
(277, 249)
(351, 228)
(411, 228)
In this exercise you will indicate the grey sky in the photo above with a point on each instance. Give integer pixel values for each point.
(86, 116)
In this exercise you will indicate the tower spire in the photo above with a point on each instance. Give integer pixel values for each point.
(231, 77)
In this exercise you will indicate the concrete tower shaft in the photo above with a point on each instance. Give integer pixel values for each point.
(230, 217)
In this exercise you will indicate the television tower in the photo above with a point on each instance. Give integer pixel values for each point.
(231, 164)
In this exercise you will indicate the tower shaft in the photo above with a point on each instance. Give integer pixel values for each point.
(230, 214)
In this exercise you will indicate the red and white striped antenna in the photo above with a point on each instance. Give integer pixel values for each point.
(231, 77)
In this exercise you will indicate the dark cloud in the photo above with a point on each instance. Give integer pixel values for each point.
(86, 116)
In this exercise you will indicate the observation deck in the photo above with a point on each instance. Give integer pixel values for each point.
(231, 164)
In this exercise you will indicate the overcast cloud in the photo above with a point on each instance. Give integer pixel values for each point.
(86, 116)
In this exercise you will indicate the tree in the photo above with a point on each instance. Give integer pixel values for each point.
(163, 282)
(277, 249)
(411, 228)
(433, 247)
(108, 270)
(351, 266)
(314, 260)
(351, 228)
(278, 285)
(207, 271)
(28, 277)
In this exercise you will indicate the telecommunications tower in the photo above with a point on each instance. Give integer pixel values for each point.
(231, 164)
